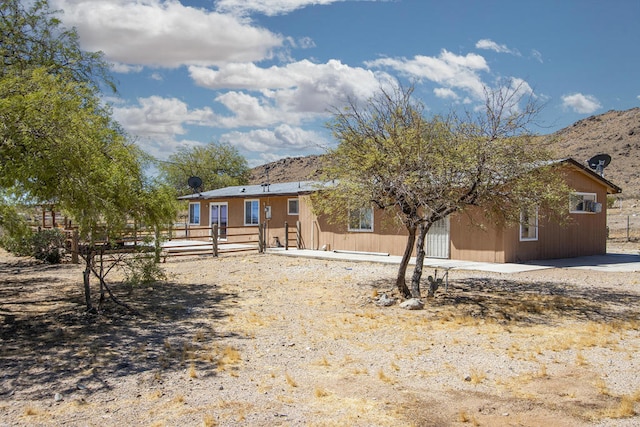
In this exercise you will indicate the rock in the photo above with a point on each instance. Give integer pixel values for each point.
(57, 397)
(412, 304)
(385, 301)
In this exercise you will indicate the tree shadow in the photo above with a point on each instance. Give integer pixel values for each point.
(525, 302)
(50, 344)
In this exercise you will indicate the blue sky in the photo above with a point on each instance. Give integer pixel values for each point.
(263, 75)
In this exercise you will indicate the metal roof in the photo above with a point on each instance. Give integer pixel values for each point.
(279, 189)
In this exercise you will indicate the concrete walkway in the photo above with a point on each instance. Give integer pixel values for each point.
(608, 262)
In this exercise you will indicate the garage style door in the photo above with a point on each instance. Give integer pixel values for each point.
(437, 243)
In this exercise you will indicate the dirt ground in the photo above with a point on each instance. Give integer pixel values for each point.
(266, 340)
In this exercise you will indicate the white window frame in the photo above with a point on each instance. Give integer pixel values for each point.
(529, 226)
(289, 212)
(191, 222)
(248, 224)
(593, 197)
(361, 213)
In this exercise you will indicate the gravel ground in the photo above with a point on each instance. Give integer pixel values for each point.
(267, 340)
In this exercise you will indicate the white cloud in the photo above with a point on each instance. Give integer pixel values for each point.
(282, 138)
(157, 117)
(491, 45)
(579, 103)
(537, 56)
(165, 33)
(445, 93)
(267, 7)
(448, 69)
(290, 94)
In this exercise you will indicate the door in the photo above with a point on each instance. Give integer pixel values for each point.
(219, 217)
(437, 243)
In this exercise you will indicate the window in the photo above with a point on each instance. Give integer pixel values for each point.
(251, 212)
(292, 207)
(529, 225)
(583, 203)
(194, 213)
(361, 219)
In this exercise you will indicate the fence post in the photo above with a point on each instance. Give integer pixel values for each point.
(214, 240)
(75, 237)
(157, 244)
(298, 235)
(286, 236)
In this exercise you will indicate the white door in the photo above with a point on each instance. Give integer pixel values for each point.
(437, 243)
(219, 217)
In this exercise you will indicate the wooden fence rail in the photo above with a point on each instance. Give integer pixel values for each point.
(195, 240)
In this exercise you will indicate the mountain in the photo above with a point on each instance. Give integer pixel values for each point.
(616, 133)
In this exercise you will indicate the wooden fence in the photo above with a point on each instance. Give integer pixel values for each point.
(191, 241)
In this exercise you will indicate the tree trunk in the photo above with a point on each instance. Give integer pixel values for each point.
(101, 275)
(420, 254)
(406, 257)
(86, 275)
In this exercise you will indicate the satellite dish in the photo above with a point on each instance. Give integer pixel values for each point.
(195, 183)
(599, 162)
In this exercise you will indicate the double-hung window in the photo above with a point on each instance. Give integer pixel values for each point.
(529, 224)
(194, 213)
(361, 219)
(251, 212)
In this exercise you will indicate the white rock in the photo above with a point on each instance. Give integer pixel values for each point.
(412, 304)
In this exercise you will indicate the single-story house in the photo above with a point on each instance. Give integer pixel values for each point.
(245, 207)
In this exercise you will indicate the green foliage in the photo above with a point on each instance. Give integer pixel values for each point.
(33, 37)
(15, 234)
(143, 270)
(390, 156)
(218, 165)
(48, 245)
(58, 142)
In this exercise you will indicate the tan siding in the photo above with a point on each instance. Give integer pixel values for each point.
(318, 233)
(472, 238)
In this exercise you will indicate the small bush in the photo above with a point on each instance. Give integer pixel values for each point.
(48, 245)
(142, 270)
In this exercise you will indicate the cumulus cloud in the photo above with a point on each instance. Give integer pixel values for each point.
(156, 116)
(579, 103)
(447, 69)
(292, 93)
(445, 93)
(291, 139)
(491, 45)
(165, 33)
(267, 7)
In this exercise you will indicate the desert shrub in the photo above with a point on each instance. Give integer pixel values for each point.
(48, 245)
(142, 270)
(15, 234)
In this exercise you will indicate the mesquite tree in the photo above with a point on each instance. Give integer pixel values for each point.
(423, 169)
(58, 142)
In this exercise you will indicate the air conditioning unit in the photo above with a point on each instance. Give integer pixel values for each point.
(591, 206)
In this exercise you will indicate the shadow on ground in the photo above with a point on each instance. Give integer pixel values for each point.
(50, 344)
(528, 302)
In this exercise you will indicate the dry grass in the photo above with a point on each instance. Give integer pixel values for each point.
(290, 380)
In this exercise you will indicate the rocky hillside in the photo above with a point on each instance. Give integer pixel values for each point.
(616, 133)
